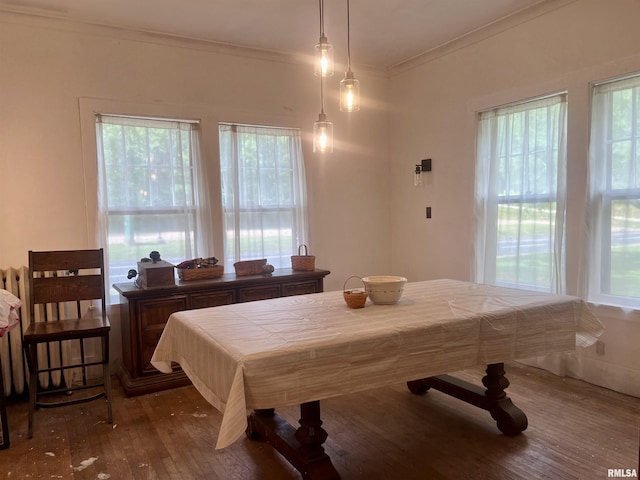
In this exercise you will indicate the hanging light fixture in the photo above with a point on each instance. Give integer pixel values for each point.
(322, 128)
(349, 85)
(324, 50)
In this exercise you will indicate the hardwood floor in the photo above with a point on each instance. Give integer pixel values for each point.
(576, 431)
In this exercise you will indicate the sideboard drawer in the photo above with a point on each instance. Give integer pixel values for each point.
(212, 299)
(253, 294)
(300, 288)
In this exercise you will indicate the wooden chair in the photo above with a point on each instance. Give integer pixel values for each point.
(67, 298)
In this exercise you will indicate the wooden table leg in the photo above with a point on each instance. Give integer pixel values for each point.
(509, 418)
(302, 447)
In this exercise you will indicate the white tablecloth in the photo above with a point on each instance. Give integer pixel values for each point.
(292, 350)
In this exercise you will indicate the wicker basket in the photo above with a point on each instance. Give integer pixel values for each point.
(249, 267)
(303, 262)
(187, 274)
(354, 298)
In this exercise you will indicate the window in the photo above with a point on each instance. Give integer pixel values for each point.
(149, 192)
(520, 195)
(263, 193)
(614, 194)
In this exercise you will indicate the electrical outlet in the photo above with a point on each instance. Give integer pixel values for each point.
(428, 212)
(600, 347)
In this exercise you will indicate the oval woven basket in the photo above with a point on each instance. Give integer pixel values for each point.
(205, 273)
(354, 298)
(303, 262)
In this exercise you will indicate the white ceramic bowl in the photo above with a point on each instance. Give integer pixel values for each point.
(384, 289)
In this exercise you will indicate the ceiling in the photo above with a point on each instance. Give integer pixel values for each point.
(384, 33)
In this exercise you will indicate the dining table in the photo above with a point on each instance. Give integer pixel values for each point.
(248, 359)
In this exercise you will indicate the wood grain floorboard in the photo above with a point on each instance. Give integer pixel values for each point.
(577, 431)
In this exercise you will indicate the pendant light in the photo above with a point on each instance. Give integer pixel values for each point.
(322, 129)
(349, 85)
(324, 50)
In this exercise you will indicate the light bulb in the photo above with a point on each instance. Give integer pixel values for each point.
(350, 99)
(322, 141)
(324, 65)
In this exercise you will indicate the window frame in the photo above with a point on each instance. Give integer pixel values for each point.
(297, 208)
(489, 197)
(603, 194)
(110, 214)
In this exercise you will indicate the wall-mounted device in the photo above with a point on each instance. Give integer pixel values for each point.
(423, 166)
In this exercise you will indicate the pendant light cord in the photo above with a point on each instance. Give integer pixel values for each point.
(348, 38)
(321, 8)
(321, 96)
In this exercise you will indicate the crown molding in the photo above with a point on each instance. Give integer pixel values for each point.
(501, 25)
(53, 20)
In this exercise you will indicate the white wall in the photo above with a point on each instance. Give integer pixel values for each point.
(566, 49)
(49, 69)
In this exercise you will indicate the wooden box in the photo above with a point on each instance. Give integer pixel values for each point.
(156, 274)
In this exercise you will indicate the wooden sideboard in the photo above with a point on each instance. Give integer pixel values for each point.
(144, 313)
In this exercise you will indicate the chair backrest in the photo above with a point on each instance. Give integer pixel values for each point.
(66, 276)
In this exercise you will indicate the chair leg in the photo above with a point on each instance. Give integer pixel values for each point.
(33, 380)
(33, 394)
(107, 389)
(32, 363)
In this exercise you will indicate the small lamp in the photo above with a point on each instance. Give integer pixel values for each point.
(349, 85)
(423, 166)
(322, 135)
(324, 50)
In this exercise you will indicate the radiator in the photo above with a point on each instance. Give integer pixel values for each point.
(54, 354)
(14, 367)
